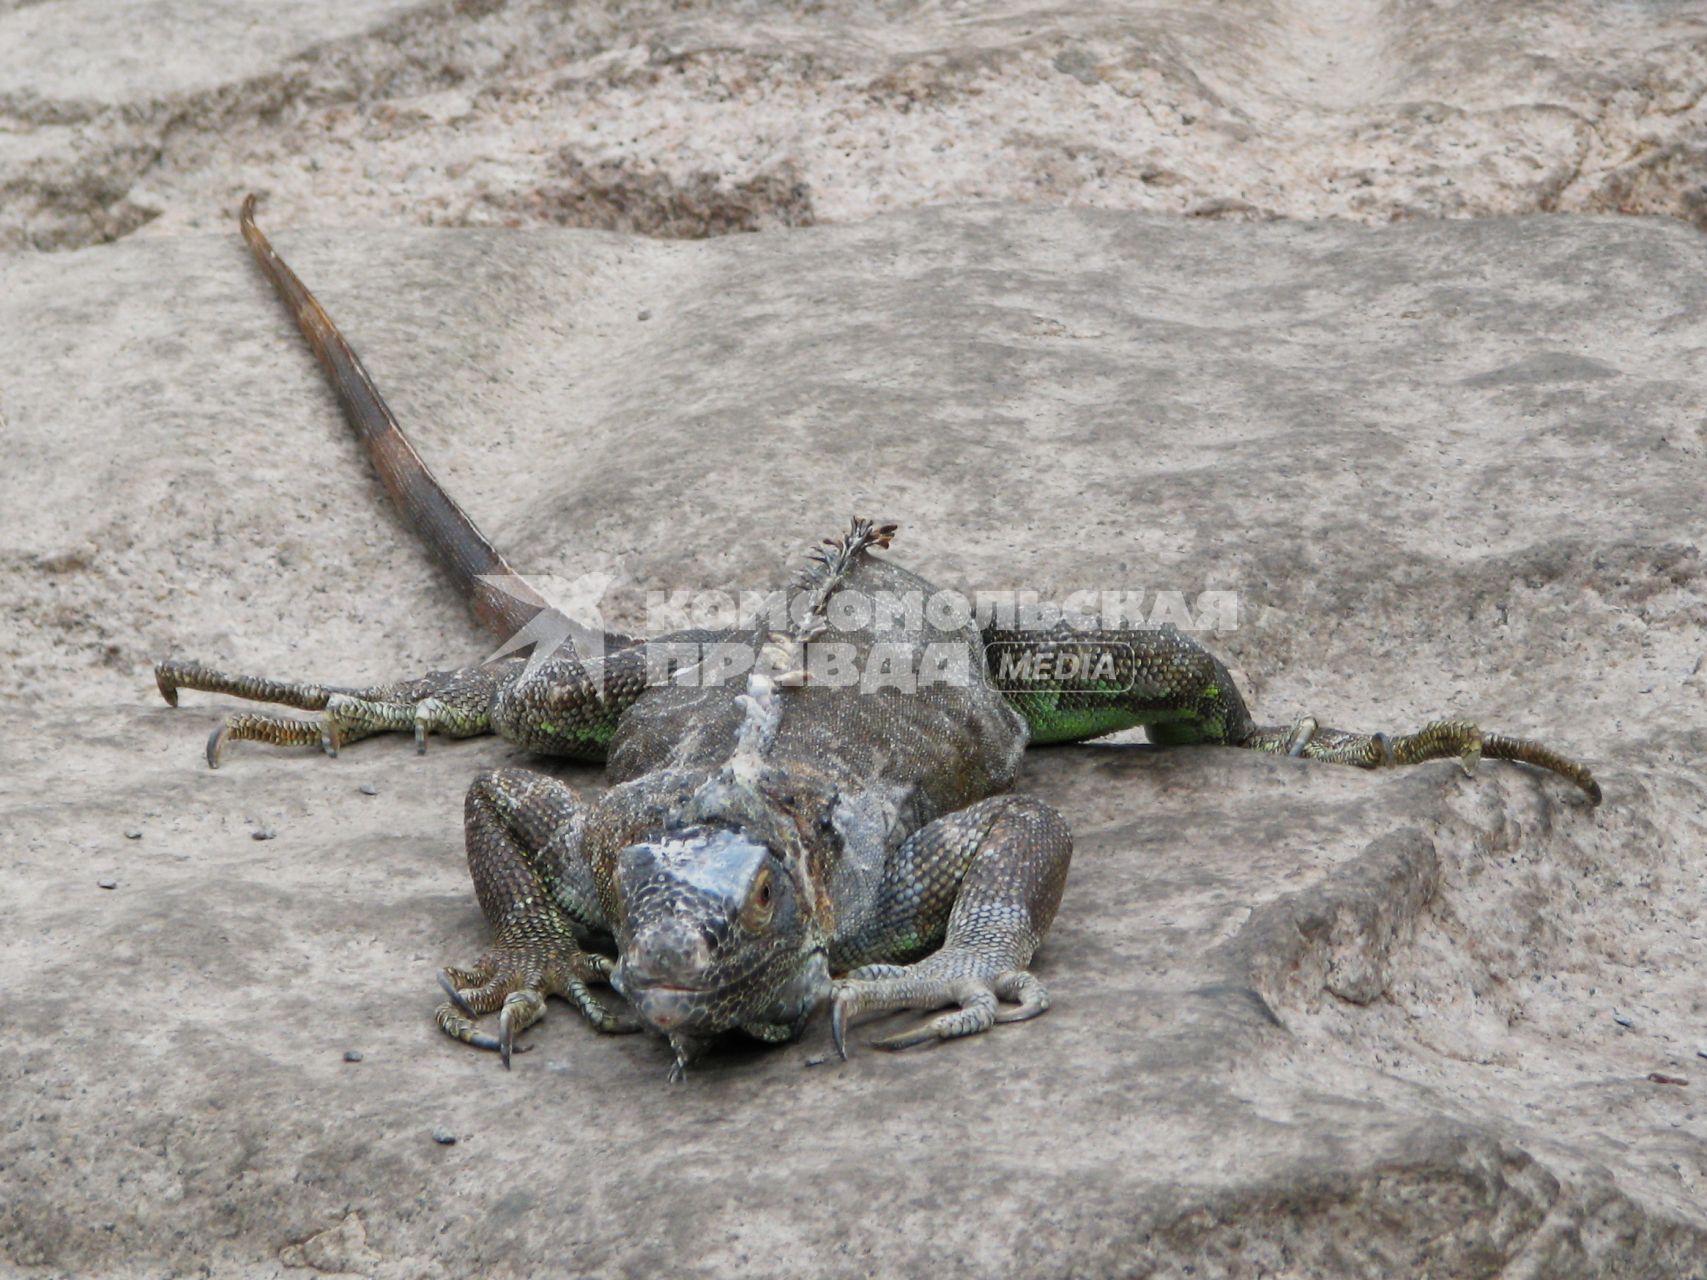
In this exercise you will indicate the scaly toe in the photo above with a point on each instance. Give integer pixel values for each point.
(978, 1014)
(1029, 996)
(598, 1013)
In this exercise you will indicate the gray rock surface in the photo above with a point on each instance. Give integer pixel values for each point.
(686, 119)
(1308, 1021)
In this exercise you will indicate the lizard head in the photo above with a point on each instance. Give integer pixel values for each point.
(714, 933)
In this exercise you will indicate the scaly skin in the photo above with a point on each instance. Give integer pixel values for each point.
(1181, 694)
(768, 848)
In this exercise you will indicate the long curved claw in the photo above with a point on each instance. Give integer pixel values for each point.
(521, 1010)
(1299, 738)
(848, 999)
(484, 1040)
(450, 989)
(431, 716)
(839, 1026)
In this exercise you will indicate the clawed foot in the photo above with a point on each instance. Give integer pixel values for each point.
(514, 981)
(1459, 740)
(881, 988)
(346, 719)
(453, 703)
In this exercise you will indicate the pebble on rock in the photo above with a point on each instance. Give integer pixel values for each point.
(133, 833)
(368, 789)
(108, 884)
(262, 833)
(352, 1055)
(444, 1137)
(1623, 1019)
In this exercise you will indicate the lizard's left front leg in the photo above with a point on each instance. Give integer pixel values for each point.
(986, 880)
(544, 897)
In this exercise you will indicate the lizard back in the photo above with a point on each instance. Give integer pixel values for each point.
(901, 714)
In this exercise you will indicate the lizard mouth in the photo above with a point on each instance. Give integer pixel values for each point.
(633, 985)
(666, 1005)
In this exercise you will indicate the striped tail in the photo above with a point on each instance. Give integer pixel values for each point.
(460, 549)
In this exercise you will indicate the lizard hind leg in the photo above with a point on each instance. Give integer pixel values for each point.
(1459, 740)
(454, 703)
(540, 895)
(996, 869)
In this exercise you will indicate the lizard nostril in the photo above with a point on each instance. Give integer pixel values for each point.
(668, 953)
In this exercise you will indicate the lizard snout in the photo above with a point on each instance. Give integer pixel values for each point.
(669, 953)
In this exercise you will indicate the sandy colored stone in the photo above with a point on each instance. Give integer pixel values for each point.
(1308, 1021)
(696, 119)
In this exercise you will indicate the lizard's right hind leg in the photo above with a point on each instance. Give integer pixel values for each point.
(455, 703)
(1181, 694)
(1460, 740)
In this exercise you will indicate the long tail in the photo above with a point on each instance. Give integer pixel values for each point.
(460, 549)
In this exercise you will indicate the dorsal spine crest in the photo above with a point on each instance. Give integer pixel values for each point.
(780, 662)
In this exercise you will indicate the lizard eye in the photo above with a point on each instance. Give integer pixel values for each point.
(761, 901)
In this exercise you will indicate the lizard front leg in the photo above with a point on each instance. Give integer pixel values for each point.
(564, 707)
(1071, 685)
(984, 881)
(543, 897)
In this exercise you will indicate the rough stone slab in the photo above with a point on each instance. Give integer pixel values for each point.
(694, 119)
(1308, 1021)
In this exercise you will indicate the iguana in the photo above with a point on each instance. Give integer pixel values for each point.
(769, 844)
